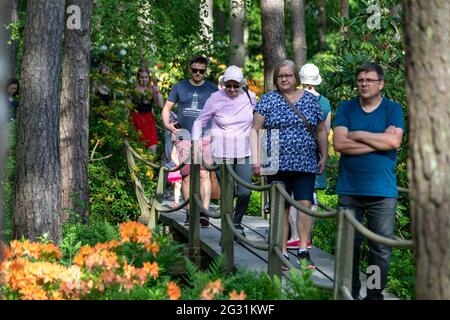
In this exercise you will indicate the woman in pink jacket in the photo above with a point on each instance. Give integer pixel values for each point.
(230, 111)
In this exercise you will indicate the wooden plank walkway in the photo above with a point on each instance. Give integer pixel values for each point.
(246, 257)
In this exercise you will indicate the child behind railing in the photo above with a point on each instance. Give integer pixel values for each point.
(175, 178)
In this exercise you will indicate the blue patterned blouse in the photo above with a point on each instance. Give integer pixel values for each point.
(296, 145)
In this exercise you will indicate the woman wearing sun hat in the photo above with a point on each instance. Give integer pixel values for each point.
(310, 78)
(231, 113)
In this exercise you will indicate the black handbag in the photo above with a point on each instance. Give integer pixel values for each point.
(307, 124)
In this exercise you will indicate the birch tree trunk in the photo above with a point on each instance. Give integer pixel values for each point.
(37, 198)
(427, 27)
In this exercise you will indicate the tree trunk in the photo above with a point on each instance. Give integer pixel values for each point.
(272, 15)
(3, 123)
(427, 27)
(220, 21)
(13, 9)
(345, 9)
(322, 25)
(237, 19)
(74, 114)
(298, 32)
(206, 22)
(37, 198)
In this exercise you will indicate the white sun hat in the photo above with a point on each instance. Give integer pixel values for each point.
(233, 73)
(309, 74)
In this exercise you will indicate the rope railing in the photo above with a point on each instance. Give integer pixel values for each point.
(348, 223)
(244, 183)
(257, 245)
(181, 206)
(212, 167)
(305, 210)
(376, 237)
(203, 210)
(139, 157)
(181, 165)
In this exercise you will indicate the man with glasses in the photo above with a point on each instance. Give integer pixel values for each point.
(190, 96)
(368, 131)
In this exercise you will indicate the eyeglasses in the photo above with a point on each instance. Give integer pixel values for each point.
(368, 81)
(235, 86)
(194, 70)
(286, 76)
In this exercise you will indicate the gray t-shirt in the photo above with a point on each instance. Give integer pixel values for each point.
(190, 101)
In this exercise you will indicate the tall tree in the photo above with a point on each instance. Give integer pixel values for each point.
(3, 120)
(13, 17)
(322, 25)
(37, 198)
(298, 31)
(272, 15)
(237, 20)
(428, 75)
(345, 9)
(206, 22)
(75, 108)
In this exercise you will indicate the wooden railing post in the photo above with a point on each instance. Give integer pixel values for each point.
(158, 199)
(276, 229)
(194, 252)
(226, 206)
(343, 267)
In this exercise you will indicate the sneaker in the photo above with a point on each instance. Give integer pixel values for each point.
(204, 222)
(309, 244)
(293, 244)
(304, 256)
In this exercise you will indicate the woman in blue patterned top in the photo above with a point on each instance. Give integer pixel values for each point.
(297, 161)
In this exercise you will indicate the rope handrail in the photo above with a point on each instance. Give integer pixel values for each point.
(181, 165)
(305, 210)
(290, 266)
(213, 167)
(376, 237)
(203, 210)
(139, 157)
(257, 245)
(185, 203)
(244, 183)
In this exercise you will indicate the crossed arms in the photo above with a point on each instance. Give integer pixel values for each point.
(362, 142)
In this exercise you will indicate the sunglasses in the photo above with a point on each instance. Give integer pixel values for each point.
(194, 70)
(235, 86)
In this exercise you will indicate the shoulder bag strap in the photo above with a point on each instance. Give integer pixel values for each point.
(301, 115)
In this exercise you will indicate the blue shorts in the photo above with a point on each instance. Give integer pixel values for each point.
(298, 184)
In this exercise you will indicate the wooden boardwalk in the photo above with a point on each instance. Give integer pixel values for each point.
(246, 257)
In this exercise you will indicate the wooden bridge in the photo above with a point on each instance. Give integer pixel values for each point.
(261, 248)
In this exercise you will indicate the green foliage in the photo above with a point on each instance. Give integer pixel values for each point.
(111, 195)
(254, 206)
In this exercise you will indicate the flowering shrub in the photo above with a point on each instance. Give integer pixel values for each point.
(32, 270)
(124, 268)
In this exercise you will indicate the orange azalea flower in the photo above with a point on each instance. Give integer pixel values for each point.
(153, 247)
(152, 269)
(212, 288)
(235, 296)
(136, 232)
(173, 291)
